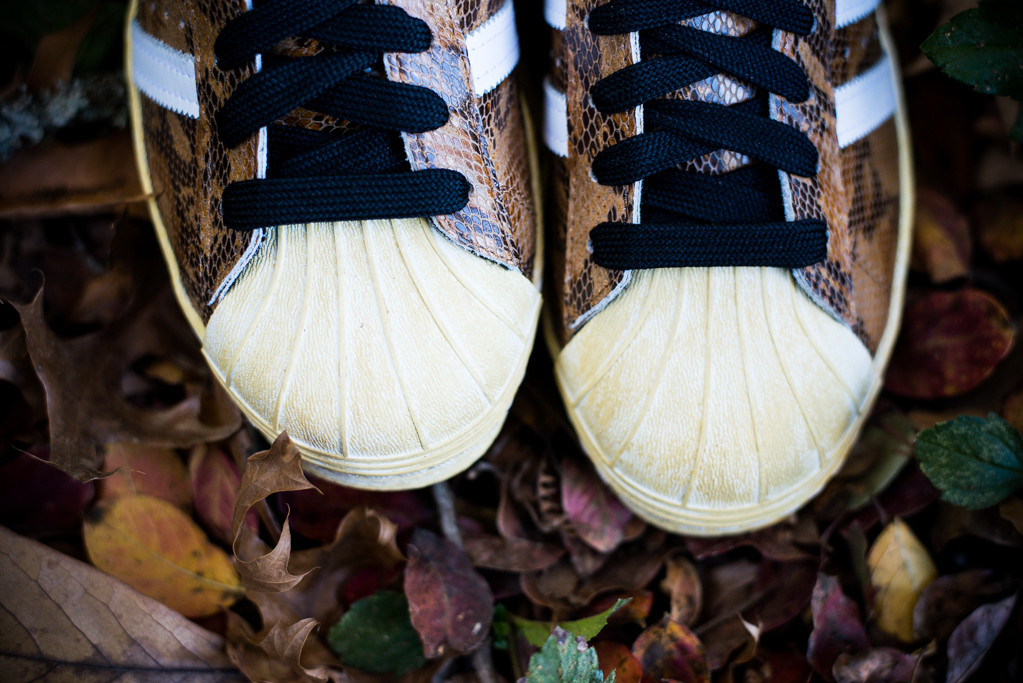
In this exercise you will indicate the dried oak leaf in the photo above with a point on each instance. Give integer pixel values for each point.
(949, 599)
(281, 654)
(950, 342)
(63, 620)
(82, 379)
(876, 665)
(148, 469)
(900, 568)
(670, 650)
(450, 603)
(157, 549)
(277, 469)
(941, 237)
(837, 626)
(973, 638)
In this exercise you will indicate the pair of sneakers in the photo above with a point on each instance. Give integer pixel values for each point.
(348, 197)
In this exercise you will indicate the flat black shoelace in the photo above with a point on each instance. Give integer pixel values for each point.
(693, 219)
(315, 176)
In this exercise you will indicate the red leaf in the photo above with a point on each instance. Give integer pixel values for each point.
(670, 650)
(950, 342)
(837, 626)
(215, 483)
(595, 514)
(39, 500)
(616, 657)
(451, 605)
(148, 469)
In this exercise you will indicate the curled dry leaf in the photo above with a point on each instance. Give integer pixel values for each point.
(282, 654)
(143, 468)
(900, 568)
(973, 638)
(682, 584)
(157, 549)
(670, 650)
(941, 237)
(64, 620)
(277, 469)
(950, 342)
(451, 604)
(837, 627)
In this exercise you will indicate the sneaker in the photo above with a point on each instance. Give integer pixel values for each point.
(343, 194)
(730, 222)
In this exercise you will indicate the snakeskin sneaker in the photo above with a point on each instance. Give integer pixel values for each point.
(343, 194)
(731, 218)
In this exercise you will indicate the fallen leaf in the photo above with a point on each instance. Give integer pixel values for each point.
(39, 500)
(837, 627)
(142, 468)
(1000, 226)
(451, 604)
(510, 554)
(1011, 510)
(976, 463)
(616, 658)
(64, 620)
(593, 512)
(954, 522)
(670, 650)
(565, 658)
(900, 568)
(158, 550)
(950, 342)
(949, 599)
(278, 469)
(877, 665)
(682, 584)
(972, 639)
(377, 636)
(774, 543)
(1012, 411)
(215, 482)
(536, 632)
(941, 237)
(281, 654)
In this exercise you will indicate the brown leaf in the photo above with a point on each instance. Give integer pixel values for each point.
(877, 665)
(670, 650)
(616, 657)
(215, 482)
(941, 237)
(158, 550)
(950, 599)
(837, 626)
(63, 620)
(1012, 410)
(1000, 226)
(950, 342)
(82, 380)
(451, 605)
(774, 543)
(281, 654)
(1011, 510)
(25, 402)
(142, 468)
(595, 514)
(510, 554)
(973, 638)
(682, 584)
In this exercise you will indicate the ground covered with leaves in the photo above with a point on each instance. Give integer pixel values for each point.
(203, 553)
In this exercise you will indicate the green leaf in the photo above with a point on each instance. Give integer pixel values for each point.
(975, 462)
(982, 47)
(565, 658)
(377, 636)
(537, 632)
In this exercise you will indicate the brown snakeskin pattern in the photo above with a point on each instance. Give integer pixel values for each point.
(187, 162)
(483, 138)
(589, 58)
(856, 48)
(822, 197)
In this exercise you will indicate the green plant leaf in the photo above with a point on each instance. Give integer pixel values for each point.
(377, 636)
(537, 632)
(982, 47)
(975, 462)
(565, 658)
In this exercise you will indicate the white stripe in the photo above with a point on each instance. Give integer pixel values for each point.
(165, 75)
(865, 102)
(555, 122)
(848, 12)
(555, 12)
(493, 50)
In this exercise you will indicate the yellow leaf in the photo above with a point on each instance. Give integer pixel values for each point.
(157, 549)
(900, 569)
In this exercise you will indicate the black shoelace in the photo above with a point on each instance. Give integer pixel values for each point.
(315, 176)
(692, 218)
